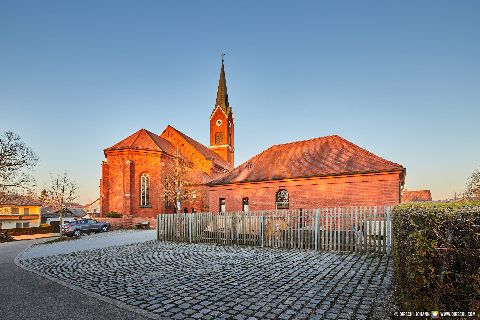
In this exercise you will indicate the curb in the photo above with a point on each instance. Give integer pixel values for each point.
(42, 236)
(97, 296)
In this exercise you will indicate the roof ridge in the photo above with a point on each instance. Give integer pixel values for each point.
(321, 156)
(187, 137)
(342, 139)
(159, 143)
(299, 141)
(368, 152)
(92, 202)
(138, 135)
(150, 135)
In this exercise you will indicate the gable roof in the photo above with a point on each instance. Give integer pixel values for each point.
(203, 150)
(143, 140)
(416, 196)
(147, 140)
(324, 156)
(92, 203)
(17, 200)
(67, 212)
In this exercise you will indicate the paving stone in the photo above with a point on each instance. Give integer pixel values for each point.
(198, 315)
(190, 311)
(179, 281)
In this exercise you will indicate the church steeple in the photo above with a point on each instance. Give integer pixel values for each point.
(222, 122)
(222, 95)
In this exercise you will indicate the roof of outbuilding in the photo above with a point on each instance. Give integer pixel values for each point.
(67, 212)
(324, 156)
(416, 196)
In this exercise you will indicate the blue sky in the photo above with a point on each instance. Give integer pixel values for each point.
(401, 79)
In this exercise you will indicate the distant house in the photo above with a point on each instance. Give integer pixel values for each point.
(19, 212)
(73, 205)
(93, 208)
(68, 215)
(416, 196)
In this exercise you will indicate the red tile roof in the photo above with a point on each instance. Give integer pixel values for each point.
(147, 140)
(325, 156)
(16, 200)
(144, 140)
(203, 150)
(416, 196)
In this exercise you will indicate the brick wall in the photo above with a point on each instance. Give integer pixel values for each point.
(120, 184)
(129, 222)
(356, 190)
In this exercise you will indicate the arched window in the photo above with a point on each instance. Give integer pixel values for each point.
(219, 138)
(281, 199)
(144, 190)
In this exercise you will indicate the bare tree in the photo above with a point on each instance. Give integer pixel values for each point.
(16, 159)
(62, 190)
(43, 198)
(473, 185)
(178, 181)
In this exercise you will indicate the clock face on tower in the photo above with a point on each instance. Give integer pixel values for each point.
(218, 123)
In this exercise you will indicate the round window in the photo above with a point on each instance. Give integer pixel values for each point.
(219, 122)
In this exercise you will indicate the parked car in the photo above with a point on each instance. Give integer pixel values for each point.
(78, 227)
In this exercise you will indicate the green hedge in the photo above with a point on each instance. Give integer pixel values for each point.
(436, 249)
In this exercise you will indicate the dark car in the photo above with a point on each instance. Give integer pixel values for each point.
(78, 227)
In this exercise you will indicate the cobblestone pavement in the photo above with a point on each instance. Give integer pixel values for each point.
(200, 281)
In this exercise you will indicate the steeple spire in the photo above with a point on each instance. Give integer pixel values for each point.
(222, 95)
(222, 122)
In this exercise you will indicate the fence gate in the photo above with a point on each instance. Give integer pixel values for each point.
(341, 229)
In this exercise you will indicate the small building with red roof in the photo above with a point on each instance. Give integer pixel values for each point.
(326, 171)
(416, 196)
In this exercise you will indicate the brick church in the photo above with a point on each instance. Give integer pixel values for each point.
(326, 171)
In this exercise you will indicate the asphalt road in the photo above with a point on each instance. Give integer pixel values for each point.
(24, 295)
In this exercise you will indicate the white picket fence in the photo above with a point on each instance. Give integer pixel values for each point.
(341, 229)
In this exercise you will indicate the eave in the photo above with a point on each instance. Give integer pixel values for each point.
(334, 175)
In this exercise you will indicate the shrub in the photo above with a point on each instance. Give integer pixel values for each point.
(436, 248)
(113, 215)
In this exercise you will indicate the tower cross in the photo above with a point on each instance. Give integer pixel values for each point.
(223, 55)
